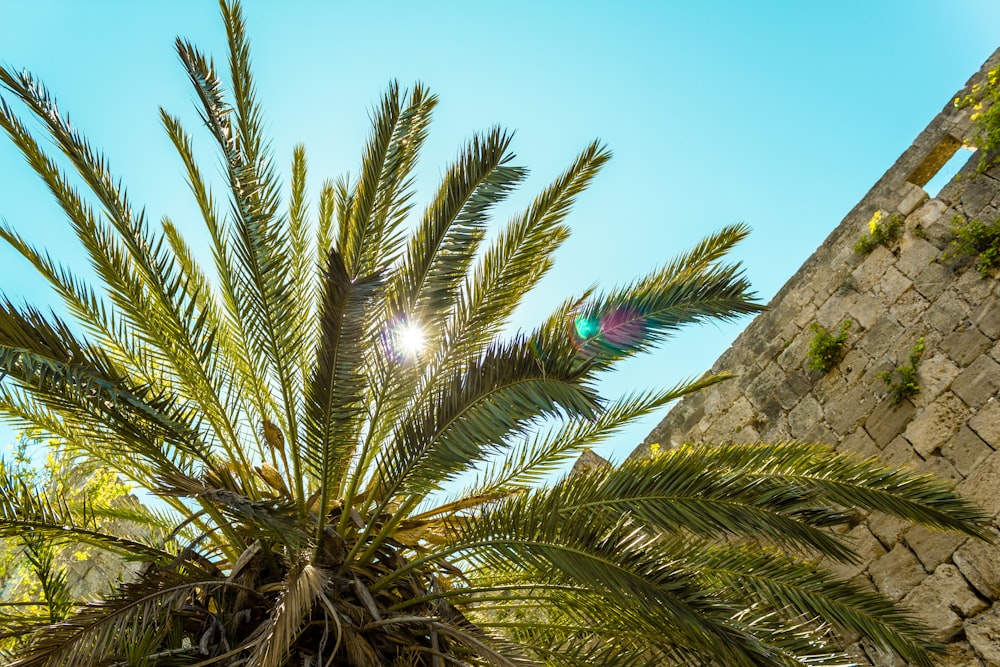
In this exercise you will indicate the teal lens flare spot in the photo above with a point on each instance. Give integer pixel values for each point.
(587, 327)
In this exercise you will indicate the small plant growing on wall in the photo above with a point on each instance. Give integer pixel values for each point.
(825, 349)
(882, 229)
(978, 239)
(902, 381)
(986, 116)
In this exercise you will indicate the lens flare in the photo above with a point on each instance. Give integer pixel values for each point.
(408, 339)
(587, 327)
(613, 331)
(623, 328)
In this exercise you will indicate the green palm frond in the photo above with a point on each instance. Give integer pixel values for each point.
(40, 553)
(625, 321)
(625, 567)
(515, 262)
(119, 340)
(335, 393)
(443, 247)
(253, 252)
(538, 457)
(45, 356)
(27, 510)
(102, 632)
(141, 275)
(369, 238)
(498, 393)
(247, 367)
(829, 478)
(772, 580)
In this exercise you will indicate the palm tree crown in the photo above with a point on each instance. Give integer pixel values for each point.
(301, 410)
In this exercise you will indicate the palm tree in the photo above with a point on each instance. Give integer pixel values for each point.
(302, 413)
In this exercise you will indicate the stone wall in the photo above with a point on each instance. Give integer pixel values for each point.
(893, 296)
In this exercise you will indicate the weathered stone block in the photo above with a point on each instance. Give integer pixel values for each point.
(941, 469)
(760, 339)
(914, 256)
(930, 213)
(776, 433)
(913, 197)
(866, 310)
(966, 450)
(789, 330)
(896, 573)
(973, 287)
(827, 279)
(986, 423)
(983, 485)
(796, 385)
(979, 563)
(932, 280)
(860, 443)
(721, 396)
(828, 385)
(805, 315)
(984, 635)
(796, 299)
(869, 274)
(835, 310)
(763, 387)
(882, 337)
(939, 600)
(822, 434)
(939, 231)
(847, 412)
(794, 355)
(947, 312)
(936, 423)
(888, 529)
(977, 195)
(804, 416)
(738, 415)
(987, 317)
(853, 365)
(888, 420)
(892, 285)
(933, 547)
(960, 654)
(979, 382)
(899, 453)
(964, 345)
(935, 375)
(909, 307)
(865, 545)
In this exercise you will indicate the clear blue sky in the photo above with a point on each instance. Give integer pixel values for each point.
(778, 114)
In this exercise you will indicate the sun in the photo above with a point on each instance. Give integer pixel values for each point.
(409, 339)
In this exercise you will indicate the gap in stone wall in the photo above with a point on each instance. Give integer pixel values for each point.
(934, 161)
(948, 171)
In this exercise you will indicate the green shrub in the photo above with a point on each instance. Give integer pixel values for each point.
(883, 231)
(825, 349)
(986, 115)
(978, 239)
(902, 381)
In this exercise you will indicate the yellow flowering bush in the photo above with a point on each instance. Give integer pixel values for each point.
(882, 229)
(982, 98)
